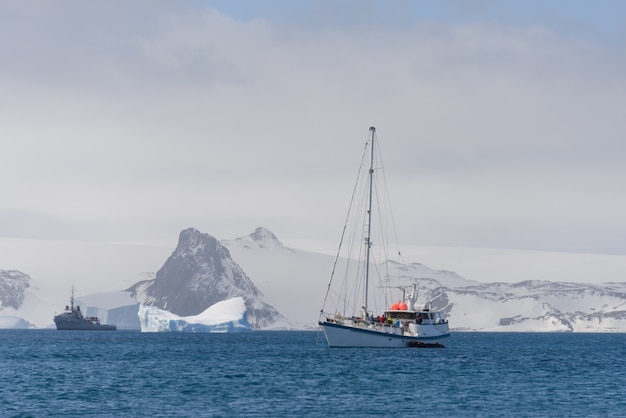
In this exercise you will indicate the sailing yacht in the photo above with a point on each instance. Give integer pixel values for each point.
(357, 310)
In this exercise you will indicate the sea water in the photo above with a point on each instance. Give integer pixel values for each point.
(128, 373)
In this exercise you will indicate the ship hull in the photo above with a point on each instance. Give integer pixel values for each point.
(79, 324)
(338, 335)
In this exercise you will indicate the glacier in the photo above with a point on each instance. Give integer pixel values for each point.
(225, 316)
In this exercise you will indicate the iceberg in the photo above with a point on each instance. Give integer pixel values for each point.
(225, 316)
(13, 322)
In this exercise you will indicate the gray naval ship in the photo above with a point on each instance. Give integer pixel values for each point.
(73, 319)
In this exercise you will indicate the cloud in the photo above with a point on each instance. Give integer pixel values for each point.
(140, 118)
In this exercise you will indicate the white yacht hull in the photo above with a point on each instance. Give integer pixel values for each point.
(338, 335)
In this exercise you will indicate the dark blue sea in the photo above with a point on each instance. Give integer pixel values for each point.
(272, 374)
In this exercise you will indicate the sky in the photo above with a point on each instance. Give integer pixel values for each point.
(501, 122)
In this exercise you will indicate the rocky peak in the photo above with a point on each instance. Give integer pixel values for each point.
(264, 235)
(260, 238)
(199, 273)
(192, 242)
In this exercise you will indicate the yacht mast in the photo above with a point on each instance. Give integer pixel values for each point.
(368, 241)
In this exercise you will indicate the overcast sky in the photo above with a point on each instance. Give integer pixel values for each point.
(502, 123)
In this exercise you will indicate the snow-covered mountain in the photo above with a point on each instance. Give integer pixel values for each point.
(13, 285)
(273, 278)
(200, 273)
(537, 306)
(295, 281)
(21, 303)
(261, 238)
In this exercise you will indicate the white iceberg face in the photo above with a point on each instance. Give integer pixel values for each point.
(13, 322)
(225, 316)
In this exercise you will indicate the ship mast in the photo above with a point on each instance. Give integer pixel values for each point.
(368, 241)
